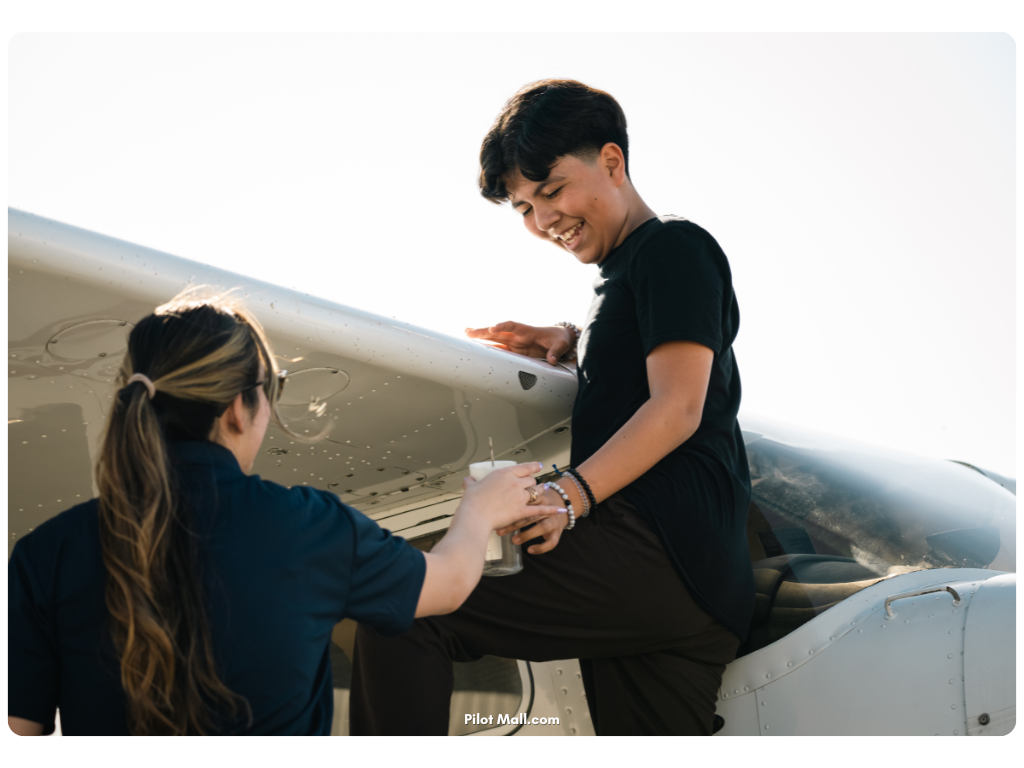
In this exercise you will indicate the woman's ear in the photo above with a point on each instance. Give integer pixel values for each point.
(237, 417)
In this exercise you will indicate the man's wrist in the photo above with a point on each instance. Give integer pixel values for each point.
(575, 498)
(572, 493)
(572, 330)
(573, 335)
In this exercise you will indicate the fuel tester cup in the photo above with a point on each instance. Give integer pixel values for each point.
(503, 557)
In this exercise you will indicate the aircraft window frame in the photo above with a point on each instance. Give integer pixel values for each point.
(873, 505)
(510, 729)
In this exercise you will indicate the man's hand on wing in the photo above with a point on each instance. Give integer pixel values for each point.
(546, 342)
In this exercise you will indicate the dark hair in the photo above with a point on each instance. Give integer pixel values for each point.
(542, 122)
(199, 354)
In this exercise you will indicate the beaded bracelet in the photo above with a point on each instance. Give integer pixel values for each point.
(568, 504)
(586, 486)
(586, 503)
(572, 327)
(571, 354)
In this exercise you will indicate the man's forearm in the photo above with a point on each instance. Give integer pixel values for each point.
(655, 430)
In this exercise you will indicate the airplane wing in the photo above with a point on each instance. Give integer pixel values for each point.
(412, 408)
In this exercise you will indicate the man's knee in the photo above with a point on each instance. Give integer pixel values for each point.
(425, 638)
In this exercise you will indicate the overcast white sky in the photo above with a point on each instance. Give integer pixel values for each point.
(862, 186)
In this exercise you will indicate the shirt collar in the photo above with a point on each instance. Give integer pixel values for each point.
(203, 452)
(618, 249)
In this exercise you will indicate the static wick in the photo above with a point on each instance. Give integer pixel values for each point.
(490, 442)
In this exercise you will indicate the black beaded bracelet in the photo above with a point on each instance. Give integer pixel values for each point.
(586, 486)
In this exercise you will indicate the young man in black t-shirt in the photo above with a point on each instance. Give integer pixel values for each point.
(652, 589)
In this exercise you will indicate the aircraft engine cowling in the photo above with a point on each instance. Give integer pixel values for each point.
(989, 660)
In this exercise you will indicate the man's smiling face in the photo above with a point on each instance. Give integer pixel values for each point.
(578, 207)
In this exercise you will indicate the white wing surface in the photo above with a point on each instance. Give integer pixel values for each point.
(412, 407)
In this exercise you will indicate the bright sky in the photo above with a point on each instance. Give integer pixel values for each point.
(862, 186)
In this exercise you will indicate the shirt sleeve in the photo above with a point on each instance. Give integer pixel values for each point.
(32, 666)
(387, 577)
(679, 279)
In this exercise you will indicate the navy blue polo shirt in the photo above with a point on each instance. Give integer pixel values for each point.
(280, 567)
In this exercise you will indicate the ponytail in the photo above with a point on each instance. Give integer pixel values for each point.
(153, 591)
(185, 364)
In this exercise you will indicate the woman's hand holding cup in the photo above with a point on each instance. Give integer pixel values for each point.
(503, 496)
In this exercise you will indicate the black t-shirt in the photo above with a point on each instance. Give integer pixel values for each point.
(280, 568)
(670, 281)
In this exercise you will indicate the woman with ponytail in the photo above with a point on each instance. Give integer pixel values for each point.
(193, 598)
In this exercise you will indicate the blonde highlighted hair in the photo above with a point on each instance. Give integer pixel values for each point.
(201, 350)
